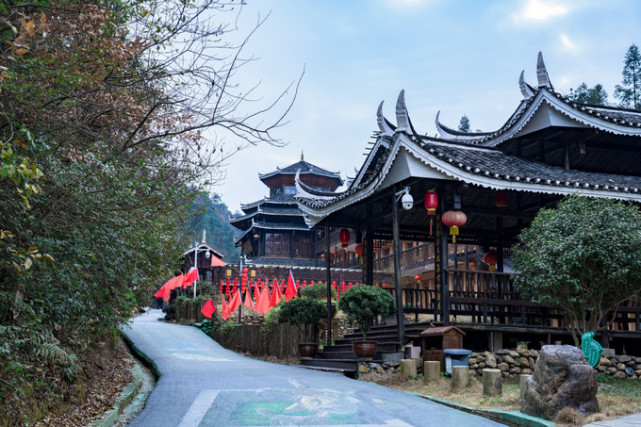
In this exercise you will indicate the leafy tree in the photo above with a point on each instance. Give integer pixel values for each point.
(629, 92)
(302, 311)
(209, 213)
(585, 257)
(585, 95)
(362, 304)
(464, 124)
(103, 105)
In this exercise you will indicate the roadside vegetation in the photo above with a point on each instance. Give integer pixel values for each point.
(101, 153)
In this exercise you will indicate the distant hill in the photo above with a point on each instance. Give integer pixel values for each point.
(209, 213)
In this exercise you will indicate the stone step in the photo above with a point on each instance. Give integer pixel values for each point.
(346, 365)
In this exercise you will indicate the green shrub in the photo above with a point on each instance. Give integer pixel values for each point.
(362, 304)
(302, 311)
(317, 291)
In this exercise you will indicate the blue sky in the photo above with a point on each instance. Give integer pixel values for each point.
(456, 56)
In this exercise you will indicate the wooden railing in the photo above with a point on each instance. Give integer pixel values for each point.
(492, 298)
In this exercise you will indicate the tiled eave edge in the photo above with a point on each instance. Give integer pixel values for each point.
(577, 114)
(471, 176)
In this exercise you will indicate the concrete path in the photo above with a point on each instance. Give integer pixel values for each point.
(202, 384)
(627, 421)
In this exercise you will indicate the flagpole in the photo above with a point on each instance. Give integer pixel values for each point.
(196, 265)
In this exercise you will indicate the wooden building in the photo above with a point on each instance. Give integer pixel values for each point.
(548, 148)
(273, 231)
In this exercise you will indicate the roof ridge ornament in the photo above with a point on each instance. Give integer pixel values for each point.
(385, 128)
(402, 117)
(542, 73)
(526, 91)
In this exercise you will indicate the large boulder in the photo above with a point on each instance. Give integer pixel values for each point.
(562, 378)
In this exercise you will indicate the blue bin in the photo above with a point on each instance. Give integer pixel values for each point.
(455, 357)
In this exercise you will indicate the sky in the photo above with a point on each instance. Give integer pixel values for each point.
(462, 57)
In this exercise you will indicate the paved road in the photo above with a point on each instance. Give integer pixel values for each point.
(202, 384)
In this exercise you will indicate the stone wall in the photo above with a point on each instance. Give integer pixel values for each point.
(521, 361)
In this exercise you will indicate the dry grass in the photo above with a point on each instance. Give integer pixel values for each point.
(616, 397)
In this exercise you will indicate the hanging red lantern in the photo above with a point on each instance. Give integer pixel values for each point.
(491, 259)
(500, 200)
(343, 236)
(431, 203)
(454, 220)
(472, 264)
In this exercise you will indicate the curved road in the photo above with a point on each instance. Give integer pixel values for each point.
(203, 384)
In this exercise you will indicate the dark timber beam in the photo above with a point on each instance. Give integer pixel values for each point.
(400, 323)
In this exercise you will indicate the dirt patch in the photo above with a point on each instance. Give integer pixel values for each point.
(106, 371)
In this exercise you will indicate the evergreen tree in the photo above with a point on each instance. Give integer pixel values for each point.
(464, 124)
(209, 213)
(629, 92)
(586, 95)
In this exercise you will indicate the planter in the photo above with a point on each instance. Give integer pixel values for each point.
(307, 350)
(364, 349)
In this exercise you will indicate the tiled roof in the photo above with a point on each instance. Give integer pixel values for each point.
(266, 210)
(305, 168)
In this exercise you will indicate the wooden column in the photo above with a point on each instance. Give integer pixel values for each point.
(396, 232)
(369, 249)
(441, 261)
(328, 277)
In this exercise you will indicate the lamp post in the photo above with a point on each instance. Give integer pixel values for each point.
(207, 255)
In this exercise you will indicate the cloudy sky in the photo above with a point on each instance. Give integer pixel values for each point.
(456, 56)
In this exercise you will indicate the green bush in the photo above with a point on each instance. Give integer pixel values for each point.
(302, 311)
(362, 304)
(317, 291)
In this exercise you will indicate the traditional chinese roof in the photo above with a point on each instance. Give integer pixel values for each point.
(304, 168)
(507, 158)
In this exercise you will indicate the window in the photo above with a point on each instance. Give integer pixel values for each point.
(303, 247)
(277, 245)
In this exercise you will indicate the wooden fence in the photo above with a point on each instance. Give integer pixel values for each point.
(281, 340)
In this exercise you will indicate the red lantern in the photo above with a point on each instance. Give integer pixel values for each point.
(431, 203)
(418, 278)
(358, 250)
(491, 259)
(454, 220)
(472, 264)
(343, 236)
(500, 200)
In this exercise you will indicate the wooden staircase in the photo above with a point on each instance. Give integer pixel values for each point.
(340, 357)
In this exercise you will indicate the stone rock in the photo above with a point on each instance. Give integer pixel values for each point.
(623, 358)
(637, 372)
(526, 371)
(363, 369)
(460, 376)
(532, 361)
(612, 370)
(620, 367)
(562, 378)
(637, 359)
(515, 370)
(482, 365)
(629, 372)
(522, 350)
(505, 374)
(492, 382)
(601, 368)
(471, 361)
(408, 368)
(607, 352)
(525, 363)
(499, 359)
(474, 366)
(509, 360)
(605, 362)
(513, 354)
(490, 361)
(503, 352)
(619, 374)
(630, 363)
(480, 358)
(503, 366)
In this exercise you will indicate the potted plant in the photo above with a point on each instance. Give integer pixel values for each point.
(301, 312)
(361, 305)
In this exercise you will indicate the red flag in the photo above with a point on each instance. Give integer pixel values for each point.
(262, 302)
(248, 301)
(235, 303)
(277, 296)
(291, 290)
(190, 277)
(208, 309)
(224, 309)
